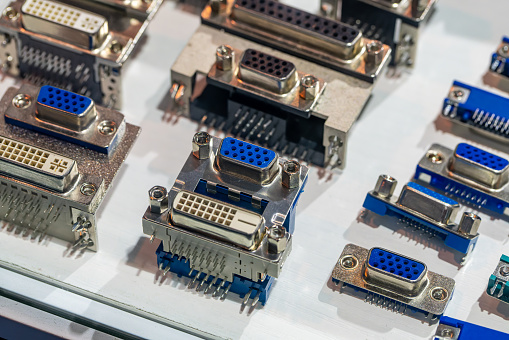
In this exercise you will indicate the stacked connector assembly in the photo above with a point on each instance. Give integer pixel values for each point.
(275, 77)
(393, 281)
(425, 210)
(228, 220)
(470, 174)
(477, 110)
(79, 45)
(396, 23)
(498, 285)
(59, 154)
(453, 329)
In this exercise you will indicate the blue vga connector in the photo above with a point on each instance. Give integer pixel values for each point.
(393, 281)
(469, 174)
(477, 109)
(498, 285)
(425, 210)
(499, 58)
(228, 220)
(453, 329)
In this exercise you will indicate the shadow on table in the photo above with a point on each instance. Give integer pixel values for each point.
(493, 306)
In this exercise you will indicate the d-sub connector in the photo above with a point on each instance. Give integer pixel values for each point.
(393, 281)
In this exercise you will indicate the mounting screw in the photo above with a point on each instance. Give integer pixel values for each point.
(503, 51)
(107, 127)
(115, 47)
(439, 294)
(469, 223)
(22, 101)
(375, 53)
(290, 175)
(158, 198)
(457, 94)
(504, 271)
(87, 189)
(277, 239)
(225, 56)
(201, 145)
(434, 157)
(447, 333)
(309, 86)
(349, 262)
(385, 186)
(10, 13)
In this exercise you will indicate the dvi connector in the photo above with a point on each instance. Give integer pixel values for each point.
(59, 154)
(78, 45)
(227, 222)
(393, 281)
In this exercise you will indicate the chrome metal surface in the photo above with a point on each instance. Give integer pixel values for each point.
(330, 44)
(217, 219)
(421, 300)
(385, 186)
(256, 263)
(158, 199)
(91, 134)
(201, 145)
(290, 174)
(30, 205)
(271, 87)
(277, 239)
(469, 223)
(446, 332)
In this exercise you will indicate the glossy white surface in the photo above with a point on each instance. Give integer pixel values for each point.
(393, 133)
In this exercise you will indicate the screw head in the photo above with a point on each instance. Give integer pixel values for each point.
(503, 51)
(10, 13)
(458, 94)
(290, 175)
(349, 262)
(158, 199)
(309, 87)
(21, 101)
(107, 127)
(374, 53)
(88, 189)
(201, 145)
(385, 186)
(504, 270)
(225, 56)
(439, 294)
(277, 239)
(447, 333)
(435, 157)
(115, 47)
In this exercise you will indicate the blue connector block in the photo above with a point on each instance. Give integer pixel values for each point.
(247, 153)
(240, 286)
(396, 264)
(63, 100)
(499, 61)
(465, 331)
(481, 157)
(481, 109)
(382, 207)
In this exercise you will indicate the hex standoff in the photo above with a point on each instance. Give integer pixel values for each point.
(35, 165)
(272, 73)
(334, 37)
(217, 219)
(64, 22)
(428, 203)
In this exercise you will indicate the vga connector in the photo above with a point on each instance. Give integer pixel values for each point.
(275, 75)
(469, 174)
(393, 281)
(427, 211)
(227, 221)
(498, 285)
(453, 329)
(396, 23)
(59, 154)
(477, 110)
(77, 45)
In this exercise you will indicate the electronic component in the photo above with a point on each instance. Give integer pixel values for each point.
(453, 329)
(275, 80)
(478, 110)
(393, 281)
(425, 210)
(395, 22)
(469, 174)
(498, 285)
(79, 45)
(499, 67)
(59, 153)
(228, 220)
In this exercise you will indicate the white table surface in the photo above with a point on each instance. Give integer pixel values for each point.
(397, 126)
